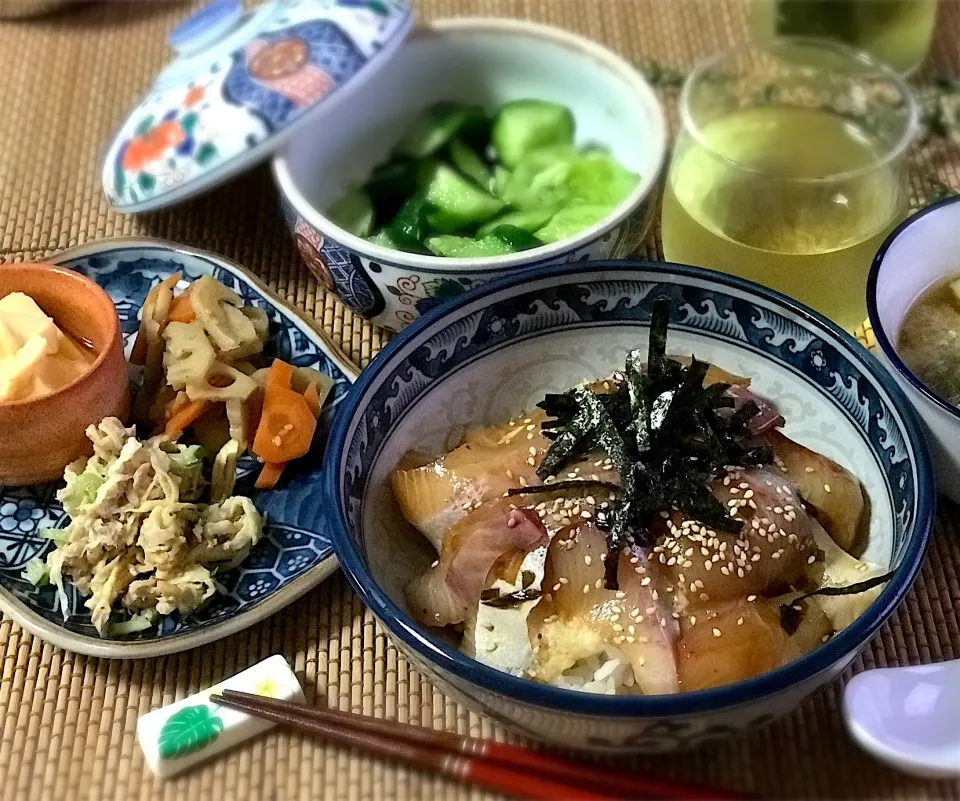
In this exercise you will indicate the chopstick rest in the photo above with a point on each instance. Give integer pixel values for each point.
(176, 737)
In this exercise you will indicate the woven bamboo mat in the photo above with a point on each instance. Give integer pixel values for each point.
(67, 722)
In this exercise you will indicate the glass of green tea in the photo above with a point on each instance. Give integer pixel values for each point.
(790, 169)
(896, 32)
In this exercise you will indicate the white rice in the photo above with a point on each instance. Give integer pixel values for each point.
(606, 673)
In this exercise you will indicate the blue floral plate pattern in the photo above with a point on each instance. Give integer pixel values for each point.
(295, 553)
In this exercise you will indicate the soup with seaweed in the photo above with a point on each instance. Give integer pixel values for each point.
(929, 340)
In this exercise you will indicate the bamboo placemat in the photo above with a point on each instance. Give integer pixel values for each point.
(67, 722)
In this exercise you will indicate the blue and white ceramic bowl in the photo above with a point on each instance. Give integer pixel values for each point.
(484, 61)
(921, 252)
(294, 554)
(496, 352)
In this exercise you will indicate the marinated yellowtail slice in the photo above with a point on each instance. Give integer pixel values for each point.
(580, 619)
(734, 640)
(833, 491)
(487, 463)
(838, 569)
(489, 543)
(770, 552)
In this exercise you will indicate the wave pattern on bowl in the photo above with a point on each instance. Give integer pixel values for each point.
(574, 323)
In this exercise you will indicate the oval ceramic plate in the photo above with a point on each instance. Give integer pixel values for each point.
(294, 554)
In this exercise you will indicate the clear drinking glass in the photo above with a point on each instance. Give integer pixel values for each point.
(896, 32)
(790, 169)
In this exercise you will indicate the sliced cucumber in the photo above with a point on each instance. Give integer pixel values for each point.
(353, 212)
(462, 247)
(470, 164)
(516, 238)
(391, 185)
(598, 179)
(456, 203)
(526, 125)
(540, 179)
(437, 127)
(528, 220)
(383, 240)
(501, 181)
(571, 221)
(409, 228)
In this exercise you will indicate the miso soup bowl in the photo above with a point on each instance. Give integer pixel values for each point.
(918, 254)
(486, 62)
(40, 436)
(497, 351)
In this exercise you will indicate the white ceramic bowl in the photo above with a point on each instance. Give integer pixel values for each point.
(919, 253)
(488, 355)
(483, 61)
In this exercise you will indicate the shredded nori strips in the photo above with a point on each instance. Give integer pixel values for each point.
(667, 435)
(791, 616)
(497, 601)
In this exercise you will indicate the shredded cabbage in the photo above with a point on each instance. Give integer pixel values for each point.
(139, 622)
(36, 572)
(81, 490)
(138, 534)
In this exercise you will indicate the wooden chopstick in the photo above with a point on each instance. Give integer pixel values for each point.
(463, 767)
(526, 760)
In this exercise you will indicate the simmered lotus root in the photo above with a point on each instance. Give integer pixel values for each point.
(189, 354)
(153, 321)
(219, 311)
(222, 383)
(261, 323)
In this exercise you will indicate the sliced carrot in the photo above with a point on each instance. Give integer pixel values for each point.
(182, 418)
(312, 397)
(180, 401)
(279, 377)
(286, 426)
(181, 309)
(270, 475)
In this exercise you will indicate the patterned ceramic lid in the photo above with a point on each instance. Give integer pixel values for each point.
(242, 84)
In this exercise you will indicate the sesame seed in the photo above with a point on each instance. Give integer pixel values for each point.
(620, 595)
(826, 488)
(693, 620)
(809, 469)
(716, 632)
(436, 563)
(811, 559)
(587, 560)
(645, 581)
(586, 589)
(739, 621)
(751, 598)
(598, 583)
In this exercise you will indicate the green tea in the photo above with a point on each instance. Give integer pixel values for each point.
(897, 32)
(749, 196)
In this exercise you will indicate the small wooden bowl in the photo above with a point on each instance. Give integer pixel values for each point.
(40, 436)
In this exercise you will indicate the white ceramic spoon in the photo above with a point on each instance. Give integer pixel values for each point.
(908, 717)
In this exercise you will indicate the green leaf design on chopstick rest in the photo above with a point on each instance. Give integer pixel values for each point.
(189, 730)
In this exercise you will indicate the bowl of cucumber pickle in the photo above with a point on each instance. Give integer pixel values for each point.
(484, 148)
